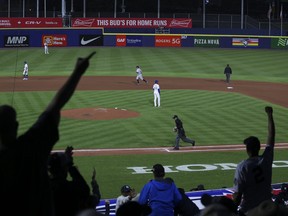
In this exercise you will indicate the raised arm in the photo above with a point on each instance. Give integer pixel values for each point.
(271, 126)
(67, 90)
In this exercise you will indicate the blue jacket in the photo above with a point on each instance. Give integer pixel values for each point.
(161, 196)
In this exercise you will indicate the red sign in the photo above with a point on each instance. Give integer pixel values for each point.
(132, 22)
(121, 40)
(55, 40)
(30, 22)
(167, 41)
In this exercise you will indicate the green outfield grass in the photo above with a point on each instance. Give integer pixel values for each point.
(209, 117)
(247, 64)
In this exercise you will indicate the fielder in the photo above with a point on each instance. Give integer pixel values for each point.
(25, 71)
(139, 75)
(156, 90)
(46, 48)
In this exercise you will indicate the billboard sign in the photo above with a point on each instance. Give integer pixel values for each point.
(91, 40)
(121, 40)
(55, 40)
(167, 41)
(132, 22)
(134, 41)
(31, 22)
(206, 42)
(16, 41)
(245, 42)
(279, 43)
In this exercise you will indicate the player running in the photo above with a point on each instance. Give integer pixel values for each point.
(139, 75)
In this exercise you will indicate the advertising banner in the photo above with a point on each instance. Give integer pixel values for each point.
(279, 43)
(245, 42)
(55, 40)
(132, 22)
(167, 41)
(121, 40)
(30, 22)
(134, 41)
(206, 42)
(16, 41)
(91, 40)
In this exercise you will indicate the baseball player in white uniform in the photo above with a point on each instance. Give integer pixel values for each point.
(253, 176)
(156, 90)
(46, 48)
(25, 71)
(139, 75)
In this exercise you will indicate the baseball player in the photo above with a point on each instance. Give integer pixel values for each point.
(46, 48)
(139, 75)
(180, 133)
(25, 71)
(228, 72)
(156, 90)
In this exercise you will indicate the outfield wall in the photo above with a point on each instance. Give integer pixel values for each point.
(66, 37)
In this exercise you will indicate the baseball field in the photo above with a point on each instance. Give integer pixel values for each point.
(112, 124)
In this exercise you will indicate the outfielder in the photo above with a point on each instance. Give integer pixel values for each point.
(180, 133)
(46, 48)
(25, 71)
(156, 90)
(139, 75)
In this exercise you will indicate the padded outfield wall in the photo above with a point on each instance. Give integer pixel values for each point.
(68, 37)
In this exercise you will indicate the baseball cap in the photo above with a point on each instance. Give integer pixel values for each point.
(158, 169)
(175, 116)
(125, 189)
(156, 81)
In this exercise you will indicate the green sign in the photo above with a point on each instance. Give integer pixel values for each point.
(206, 42)
(279, 43)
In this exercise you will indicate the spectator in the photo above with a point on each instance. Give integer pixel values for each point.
(282, 197)
(133, 208)
(95, 197)
(186, 207)
(252, 181)
(69, 197)
(127, 194)
(23, 160)
(160, 194)
(269, 208)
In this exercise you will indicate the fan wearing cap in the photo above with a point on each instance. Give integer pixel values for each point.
(161, 194)
(127, 194)
(156, 92)
(253, 176)
(180, 133)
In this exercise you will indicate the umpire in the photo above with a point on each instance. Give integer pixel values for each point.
(228, 72)
(180, 133)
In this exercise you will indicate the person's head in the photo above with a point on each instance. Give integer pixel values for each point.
(227, 65)
(137, 66)
(156, 81)
(175, 117)
(125, 190)
(58, 165)
(8, 125)
(158, 171)
(25, 62)
(252, 146)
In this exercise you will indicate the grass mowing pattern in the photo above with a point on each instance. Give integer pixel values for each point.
(247, 64)
(208, 117)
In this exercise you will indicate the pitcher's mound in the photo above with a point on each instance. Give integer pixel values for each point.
(99, 113)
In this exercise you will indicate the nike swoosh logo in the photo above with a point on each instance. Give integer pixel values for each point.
(84, 42)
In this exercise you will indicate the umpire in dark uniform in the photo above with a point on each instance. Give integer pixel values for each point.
(180, 133)
(228, 72)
